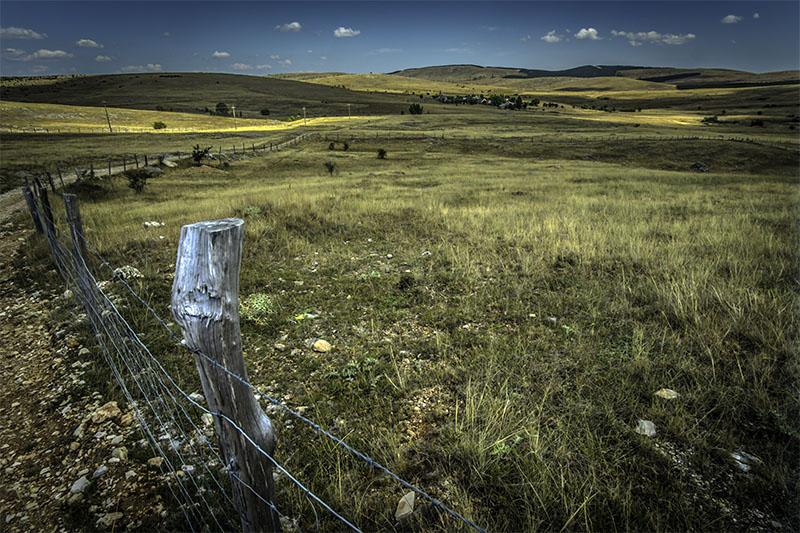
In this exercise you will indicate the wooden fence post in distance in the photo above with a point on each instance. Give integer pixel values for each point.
(76, 225)
(205, 303)
(33, 208)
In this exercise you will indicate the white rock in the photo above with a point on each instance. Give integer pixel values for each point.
(646, 427)
(80, 485)
(405, 506)
(129, 474)
(667, 394)
(196, 397)
(102, 469)
(207, 418)
(745, 461)
(120, 453)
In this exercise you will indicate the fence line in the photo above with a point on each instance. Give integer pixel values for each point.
(197, 474)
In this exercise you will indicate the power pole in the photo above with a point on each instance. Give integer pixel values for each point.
(107, 119)
(304, 116)
(234, 115)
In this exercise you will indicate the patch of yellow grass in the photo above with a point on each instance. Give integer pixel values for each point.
(93, 120)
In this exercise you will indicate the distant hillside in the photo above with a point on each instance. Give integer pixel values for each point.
(193, 92)
(681, 78)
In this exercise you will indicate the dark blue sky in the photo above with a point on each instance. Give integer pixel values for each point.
(270, 37)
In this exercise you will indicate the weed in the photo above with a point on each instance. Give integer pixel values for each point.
(137, 179)
(381, 153)
(256, 307)
(330, 166)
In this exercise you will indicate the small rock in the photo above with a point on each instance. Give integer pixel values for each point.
(321, 346)
(84, 352)
(80, 485)
(102, 469)
(405, 506)
(389, 256)
(108, 519)
(208, 419)
(120, 453)
(646, 427)
(426, 253)
(197, 397)
(126, 419)
(745, 461)
(699, 166)
(129, 474)
(116, 440)
(155, 461)
(169, 164)
(280, 347)
(153, 171)
(127, 272)
(75, 498)
(74, 446)
(667, 394)
(109, 410)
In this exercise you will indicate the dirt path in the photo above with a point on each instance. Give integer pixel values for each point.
(69, 460)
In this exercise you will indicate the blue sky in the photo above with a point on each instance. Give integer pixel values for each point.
(258, 38)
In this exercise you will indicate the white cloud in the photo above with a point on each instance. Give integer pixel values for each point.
(587, 33)
(264, 66)
(13, 32)
(309, 51)
(526, 39)
(241, 66)
(324, 58)
(292, 26)
(220, 54)
(731, 19)
(102, 59)
(756, 15)
(341, 32)
(285, 62)
(88, 43)
(551, 37)
(653, 37)
(152, 67)
(457, 50)
(39, 68)
(15, 54)
(275, 57)
(165, 34)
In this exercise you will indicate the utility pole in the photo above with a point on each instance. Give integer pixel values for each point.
(234, 115)
(304, 116)
(107, 119)
(348, 111)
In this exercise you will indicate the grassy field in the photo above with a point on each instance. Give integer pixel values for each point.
(502, 313)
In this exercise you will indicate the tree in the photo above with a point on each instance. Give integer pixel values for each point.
(158, 125)
(198, 154)
(415, 109)
(265, 111)
(222, 110)
(381, 153)
(518, 103)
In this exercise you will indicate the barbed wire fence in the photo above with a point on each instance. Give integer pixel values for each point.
(212, 491)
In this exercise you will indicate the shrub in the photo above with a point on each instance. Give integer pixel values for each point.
(346, 146)
(415, 109)
(332, 146)
(256, 307)
(222, 110)
(330, 166)
(158, 125)
(137, 179)
(757, 122)
(265, 111)
(198, 154)
(381, 153)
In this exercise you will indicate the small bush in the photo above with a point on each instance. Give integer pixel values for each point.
(415, 109)
(265, 111)
(346, 147)
(381, 153)
(137, 179)
(256, 307)
(330, 166)
(198, 154)
(332, 146)
(757, 122)
(158, 125)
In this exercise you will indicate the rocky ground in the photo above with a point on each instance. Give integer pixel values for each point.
(70, 457)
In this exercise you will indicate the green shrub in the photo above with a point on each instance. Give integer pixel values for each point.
(381, 153)
(137, 179)
(415, 109)
(158, 125)
(198, 154)
(330, 166)
(265, 111)
(256, 307)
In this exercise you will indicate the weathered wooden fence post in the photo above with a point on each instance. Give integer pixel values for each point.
(109, 167)
(76, 226)
(33, 208)
(61, 179)
(136, 159)
(205, 303)
(124, 166)
(145, 160)
(50, 179)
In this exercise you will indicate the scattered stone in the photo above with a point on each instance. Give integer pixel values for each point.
(745, 461)
(78, 433)
(197, 397)
(80, 485)
(426, 253)
(152, 224)
(126, 420)
(75, 498)
(129, 474)
(169, 164)
(74, 446)
(84, 352)
(699, 166)
(207, 419)
(321, 346)
(646, 427)
(108, 519)
(120, 453)
(280, 347)
(109, 410)
(155, 461)
(127, 272)
(102, 469)
(389, 256)
(116, 440)
(405, 506)
(667, 394)
(153, 171)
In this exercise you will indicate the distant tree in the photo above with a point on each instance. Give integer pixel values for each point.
(265, 111)
(158, 125)
(415, 109)
(330, 166)
(198, 154)
(222, 110)
(518, 103)
(346, 146)
(381, 153)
